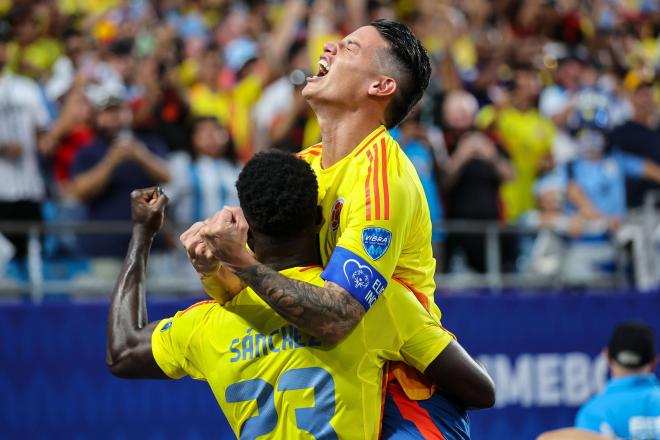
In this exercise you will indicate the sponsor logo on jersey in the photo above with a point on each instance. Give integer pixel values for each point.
(166, 326)
(376, 241)
(335, 214)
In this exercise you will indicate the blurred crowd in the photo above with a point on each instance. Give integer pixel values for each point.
(540, 113)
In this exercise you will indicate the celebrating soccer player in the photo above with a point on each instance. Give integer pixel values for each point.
(377, 220)
(270, 378)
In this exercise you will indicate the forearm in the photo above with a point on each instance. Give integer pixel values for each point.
(457, 374)
(91, 183)
(651, 171)
(584, 206)
(327, 313)
(129, 331)
(154, 166)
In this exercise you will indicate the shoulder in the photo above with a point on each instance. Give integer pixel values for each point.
(311, 153)
(198, 309)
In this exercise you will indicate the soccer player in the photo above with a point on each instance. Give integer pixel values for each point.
(269, 377)
(377, 217)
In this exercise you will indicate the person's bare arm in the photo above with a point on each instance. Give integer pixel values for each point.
(128, 351)
(218, 282)
(461, 377)
(89, 184)
(328, 313)
(585, 207)
(651, 171)
(155, 167)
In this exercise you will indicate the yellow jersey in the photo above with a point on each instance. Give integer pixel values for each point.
(527, 137)
(377, 218)
(273, 381)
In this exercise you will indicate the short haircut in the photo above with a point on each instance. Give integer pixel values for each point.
(278, 194)
(408, 63)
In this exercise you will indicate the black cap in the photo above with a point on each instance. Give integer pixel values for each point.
(632, 344)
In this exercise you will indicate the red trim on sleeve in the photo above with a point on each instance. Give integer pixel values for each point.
(386, 190)
(201, 303)
(305, 269)
(367, 190)
(376, 183)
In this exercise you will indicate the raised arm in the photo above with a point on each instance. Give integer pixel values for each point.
(328, 313)
(128, 352)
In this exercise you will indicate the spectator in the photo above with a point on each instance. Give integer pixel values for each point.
(525, 134)
(629, 407)
(204, 183)
(23, 117)
(596, 182)
(162, 110)
(32, 53)
(116, 162)
(639, 136)
(473, 174)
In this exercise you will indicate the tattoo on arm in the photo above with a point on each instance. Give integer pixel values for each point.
(328, 313)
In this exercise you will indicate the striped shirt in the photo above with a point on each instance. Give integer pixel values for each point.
(22, 114)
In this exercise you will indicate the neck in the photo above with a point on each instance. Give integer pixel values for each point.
(342, 131)
(285, 254)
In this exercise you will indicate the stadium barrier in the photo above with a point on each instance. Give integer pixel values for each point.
(546, 258)
(542, 351)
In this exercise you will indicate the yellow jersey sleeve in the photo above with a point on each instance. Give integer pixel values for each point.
(379, 218)
(422, 338)
(170, 341)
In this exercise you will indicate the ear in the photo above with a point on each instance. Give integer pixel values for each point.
(385, 86)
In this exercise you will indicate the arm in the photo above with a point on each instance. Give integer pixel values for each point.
(457, 374)
(651, 171)
(219, 282)
(584, 206)
(128, 352)
(155, 167)
(92, 182)
(328, 313)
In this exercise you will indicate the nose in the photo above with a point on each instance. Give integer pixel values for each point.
(330, 48)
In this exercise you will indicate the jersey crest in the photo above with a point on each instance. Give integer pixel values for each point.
(376, 241)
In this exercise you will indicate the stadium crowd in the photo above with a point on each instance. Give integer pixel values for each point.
(540, 113)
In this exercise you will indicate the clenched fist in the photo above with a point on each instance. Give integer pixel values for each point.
(148, 208)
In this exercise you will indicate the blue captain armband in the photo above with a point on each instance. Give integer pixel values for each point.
(356, 276)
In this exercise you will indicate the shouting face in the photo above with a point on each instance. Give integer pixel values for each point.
(347, 69)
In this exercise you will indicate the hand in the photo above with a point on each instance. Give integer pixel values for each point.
(11, 151)
(226, 235)
(198, 251)
(120, 152)
(148, 208)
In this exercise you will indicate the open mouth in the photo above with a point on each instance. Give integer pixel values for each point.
(324, 68)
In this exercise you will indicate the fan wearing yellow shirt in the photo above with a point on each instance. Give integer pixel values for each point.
(269, 378)
(377, 219)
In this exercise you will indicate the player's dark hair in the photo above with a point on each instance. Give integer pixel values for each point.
(408, 63)
(278, 194)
